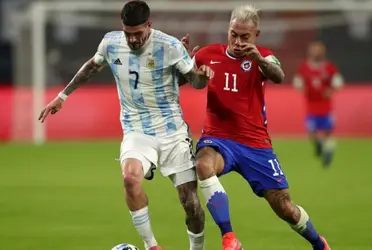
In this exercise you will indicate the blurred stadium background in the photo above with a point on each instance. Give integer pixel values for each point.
(66, 193)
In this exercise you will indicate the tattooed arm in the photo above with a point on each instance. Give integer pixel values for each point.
(89, 69)
(269, 65)
(181, 80)
(199, 77)
(271, 69)
(86, 71)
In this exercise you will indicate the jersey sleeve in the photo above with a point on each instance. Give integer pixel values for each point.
(268, 55)
(273, 59)
(337, 81)
(180, 58)
(298, 80)
(100, 56)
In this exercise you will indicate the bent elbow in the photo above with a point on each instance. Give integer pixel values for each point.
(279, 79)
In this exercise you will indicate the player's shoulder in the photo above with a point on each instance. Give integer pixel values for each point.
(303, 66)
(114, 35)
(217, 47)
(164, 38)
(330, 65)
(264, 51)
(211, 51)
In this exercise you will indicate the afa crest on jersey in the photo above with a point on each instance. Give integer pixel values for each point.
(151, 63)
(246, 65)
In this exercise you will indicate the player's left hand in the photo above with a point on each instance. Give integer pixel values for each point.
(252, 52)
(186, 42)
(205, 72)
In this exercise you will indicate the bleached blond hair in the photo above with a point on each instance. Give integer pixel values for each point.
(246, 13)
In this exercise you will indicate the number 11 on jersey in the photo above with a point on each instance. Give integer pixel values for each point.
(227, 82)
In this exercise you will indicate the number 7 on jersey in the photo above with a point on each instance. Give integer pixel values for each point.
(228, 84)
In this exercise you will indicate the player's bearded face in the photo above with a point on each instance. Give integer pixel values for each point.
(239, 35)
(137, 35)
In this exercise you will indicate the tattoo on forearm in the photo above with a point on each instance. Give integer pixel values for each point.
(196, 80)
(272, 71)
(182, 80)
(83, 75)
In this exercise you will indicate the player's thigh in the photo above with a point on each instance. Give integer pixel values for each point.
(138, 155)
(214, 156)
(262, 169)
(186, 178)
(176, 156)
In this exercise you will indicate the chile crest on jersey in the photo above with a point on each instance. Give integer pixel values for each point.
(246, 65)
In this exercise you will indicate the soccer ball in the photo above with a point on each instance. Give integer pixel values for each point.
(125, 246)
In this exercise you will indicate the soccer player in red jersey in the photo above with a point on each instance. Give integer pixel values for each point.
(235, 136)
(318, 79)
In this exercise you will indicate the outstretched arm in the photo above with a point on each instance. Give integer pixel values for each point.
(89, 69)
(84, 74)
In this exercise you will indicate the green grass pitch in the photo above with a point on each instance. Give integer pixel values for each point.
(69, 196)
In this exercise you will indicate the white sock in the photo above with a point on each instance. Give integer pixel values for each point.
(196, 240)
(210, 186)
(329, 145)
(300, 227)
(141, 221)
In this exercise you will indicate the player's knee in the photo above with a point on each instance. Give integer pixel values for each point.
(205, 164)
(132, 174)
(204, 169)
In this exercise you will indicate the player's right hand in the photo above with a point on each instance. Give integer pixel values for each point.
(52, 107)
(205, 72)
(186, 42)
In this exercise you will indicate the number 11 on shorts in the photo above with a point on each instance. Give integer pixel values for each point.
(276, 167)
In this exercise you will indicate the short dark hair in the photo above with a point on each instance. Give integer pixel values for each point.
(135, 13)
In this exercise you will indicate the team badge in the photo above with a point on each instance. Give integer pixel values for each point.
(150, 63)
(246, 65)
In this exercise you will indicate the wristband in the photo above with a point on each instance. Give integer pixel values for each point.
(62, 96)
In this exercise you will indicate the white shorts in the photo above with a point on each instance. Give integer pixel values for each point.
(172, 153)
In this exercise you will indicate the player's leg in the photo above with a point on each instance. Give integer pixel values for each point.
(298, 219)
(177, 162)
(267, 179)
(316, 139)
(187, 188)
(135, 166)
(212, 160)
(328, 142)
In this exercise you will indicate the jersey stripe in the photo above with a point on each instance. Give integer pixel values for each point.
(137, 96)
(161, 96)
(112, 50)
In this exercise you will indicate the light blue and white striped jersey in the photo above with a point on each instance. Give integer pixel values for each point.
(147, 81)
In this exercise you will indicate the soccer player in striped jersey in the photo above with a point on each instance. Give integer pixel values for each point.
(146, 63)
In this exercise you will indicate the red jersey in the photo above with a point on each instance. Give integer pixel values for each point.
(235, 100)
(316, 81)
